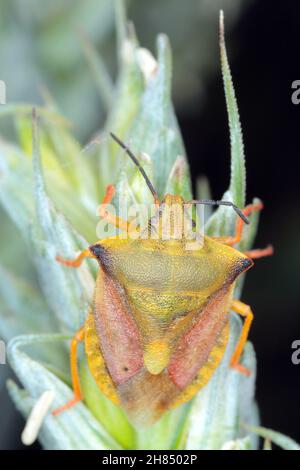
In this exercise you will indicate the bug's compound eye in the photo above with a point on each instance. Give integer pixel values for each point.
(243, 265)
(247, 263)
(98, 251)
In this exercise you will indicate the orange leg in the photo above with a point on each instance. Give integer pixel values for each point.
(75, 263)
(79, 336)
(113, 219)
(232, 240)
(245, 311)
(119, 223)
(260, 253)
(110, 218)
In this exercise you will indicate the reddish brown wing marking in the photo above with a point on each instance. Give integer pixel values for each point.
(145, 397)
(118, 334)
(196, 344)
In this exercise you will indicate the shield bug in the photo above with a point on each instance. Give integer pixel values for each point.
(159, 323)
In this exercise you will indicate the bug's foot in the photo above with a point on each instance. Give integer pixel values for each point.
(67, 406)
(67, 262)
(260, 252)
(74, 263)
(242, 369)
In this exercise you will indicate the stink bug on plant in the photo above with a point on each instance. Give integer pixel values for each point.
(159, 323)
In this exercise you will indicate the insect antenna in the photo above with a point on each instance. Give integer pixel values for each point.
(137, 163)
(211, 202)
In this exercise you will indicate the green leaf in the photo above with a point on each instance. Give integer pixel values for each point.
(26, 109)
(217, 409)
(167, 433)
(74, 429)
(23, 309)
(278, 438)
(267, 445)
(99, 71)
(16, 173)
(68, 291)
(69, 171)
(126, 101)
(15, 257)
(238, 444)
(112, 417)
(223, 220)
(237, 186)
(81, 195)
(121, 24)
(178, 181)
(155, 129)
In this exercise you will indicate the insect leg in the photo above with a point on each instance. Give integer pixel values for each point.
(105, 214)
(79, 336)
(75, 263)
(232, 240)
(245, 311)
(260, 253)
(118, 222)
